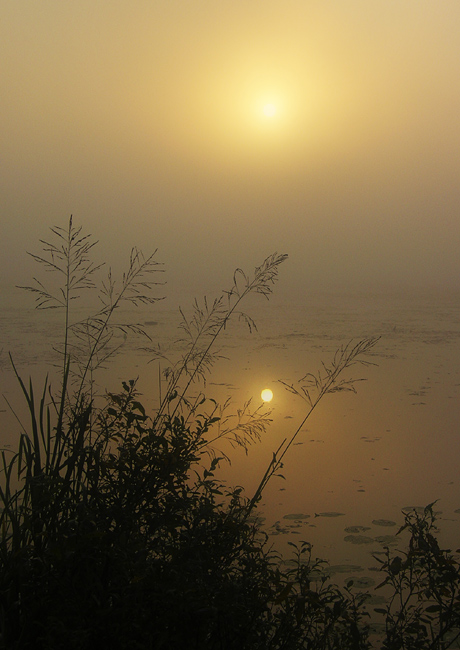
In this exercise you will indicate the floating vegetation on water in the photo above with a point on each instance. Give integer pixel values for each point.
(296, 516)
(387, 540)
(383, 522)
(363, 582)
(257, 519)
(418, 509)
(78, 459)
(277, 529)
(358, 539)
(378, 554)
(410, 509)
(356, 529)
(343, 568)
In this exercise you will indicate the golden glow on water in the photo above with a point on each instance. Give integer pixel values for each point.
(266, 395)
(167, 125)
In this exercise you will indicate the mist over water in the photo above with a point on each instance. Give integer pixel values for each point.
(148, 123)
(360, 458)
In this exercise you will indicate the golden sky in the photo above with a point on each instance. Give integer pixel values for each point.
(144, 119)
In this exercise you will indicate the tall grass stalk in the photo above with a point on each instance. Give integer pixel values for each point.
(61, 446)
(312, 388)
(115, 531)
(203, 329)
(54, 448)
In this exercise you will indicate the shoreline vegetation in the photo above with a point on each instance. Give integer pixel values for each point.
(116, 530)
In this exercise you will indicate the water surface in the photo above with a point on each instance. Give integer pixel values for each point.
(361, 458)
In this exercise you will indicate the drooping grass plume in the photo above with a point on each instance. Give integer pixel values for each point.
(312, 388)
(202, 330)
(116, 531)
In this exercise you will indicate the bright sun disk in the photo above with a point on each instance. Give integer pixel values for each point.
(266, 395)
(269, 110)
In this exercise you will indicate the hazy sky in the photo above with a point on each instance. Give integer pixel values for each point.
(144, 119)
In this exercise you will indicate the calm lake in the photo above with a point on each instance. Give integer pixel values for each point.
(360, 459)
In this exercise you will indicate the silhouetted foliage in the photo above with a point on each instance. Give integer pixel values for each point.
(116, 531)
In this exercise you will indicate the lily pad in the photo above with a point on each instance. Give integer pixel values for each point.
(330, 514)
(256, 519)
(296, 516)
(359, 539)
(277, 529)
(356, 529)
(383, 522)
(387, 540)
(418, 509)
(362, 582)
(343, 568)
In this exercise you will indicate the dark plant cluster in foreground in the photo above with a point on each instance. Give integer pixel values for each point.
(116, 531)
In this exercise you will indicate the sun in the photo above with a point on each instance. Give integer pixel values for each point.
(269, 110)
(266, 395)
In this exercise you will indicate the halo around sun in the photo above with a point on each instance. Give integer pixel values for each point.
(266, 395)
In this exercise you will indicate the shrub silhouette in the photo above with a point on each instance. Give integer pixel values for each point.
(116, 531)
